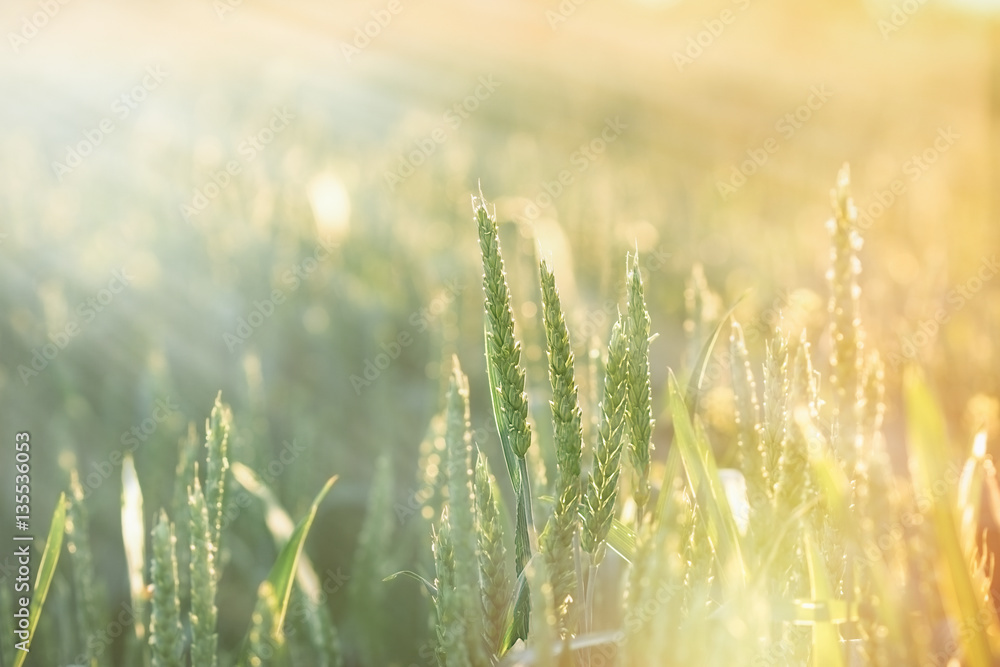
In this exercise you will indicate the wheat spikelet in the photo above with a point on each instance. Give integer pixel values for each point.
(845, 318)
(461, 513)
(557, 540)
(602, 491)
(773, 432)
(638, 401)
(747, 420)
(504, 349)
(492, 558)
(452, 649)
(217, 430)
(88, 618)
(165, 635)
(203, 580)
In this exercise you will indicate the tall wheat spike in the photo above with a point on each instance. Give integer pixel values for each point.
(557, 540)
(203, 579)
(504, 356)
(602, 491)
(461, 513)
(493, 566)
(166, 638)
(217, 430)
(638, 401)
(845, 317)
(504, 348)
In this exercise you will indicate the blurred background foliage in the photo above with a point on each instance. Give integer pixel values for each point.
(403, 272)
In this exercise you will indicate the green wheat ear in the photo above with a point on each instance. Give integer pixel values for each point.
(503, 359)
(88, 619)
(452, 649)
(638, 398)
(602, 492)
(504, 349)
(493, 571)
(461, 504)
(203, 580)
(165, 634)
(216, 465)
(557, 540)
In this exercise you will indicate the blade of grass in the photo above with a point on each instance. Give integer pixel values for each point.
(927, 439)
(46, 570)
(282, 575)
(826, 648)
(703, 476)
(701, 366)
(280, 524)
(134, 538)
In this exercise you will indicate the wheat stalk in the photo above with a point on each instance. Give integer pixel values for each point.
(217, 430)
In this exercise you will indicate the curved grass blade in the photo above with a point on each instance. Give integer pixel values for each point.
(928, 442)
(826, 648)
(621, 538)
(431, 588)
(278, 585)
(46, 570)
(703, 476)
(698, 372)
(280, 524)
